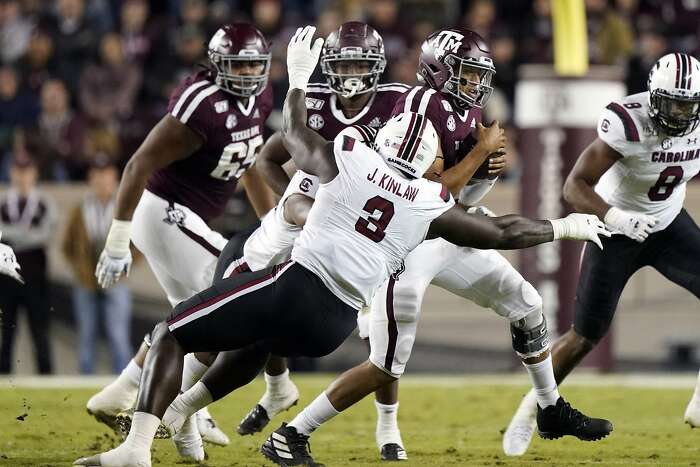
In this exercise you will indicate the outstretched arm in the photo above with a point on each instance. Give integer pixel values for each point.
(310, 152)
(512, 231)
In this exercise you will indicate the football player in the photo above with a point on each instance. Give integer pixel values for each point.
(456, 68)
(352, 61)
(371, 209)
(634, 177)
(181, 177)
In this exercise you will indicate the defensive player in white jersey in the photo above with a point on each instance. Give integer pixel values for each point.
(179, 179)
(371, 209)
(634, 176)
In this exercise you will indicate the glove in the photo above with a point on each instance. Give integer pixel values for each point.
(481, 211)
(579, 227)
(8, 263)
(115, 259)
(634, 225)
(302, 57)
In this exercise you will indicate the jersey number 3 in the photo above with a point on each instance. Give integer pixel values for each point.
(236, 158)
(372, 226)
(669, 178)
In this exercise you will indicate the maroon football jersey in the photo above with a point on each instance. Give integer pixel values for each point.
(232, 134)
(324, 114)
(452, 126)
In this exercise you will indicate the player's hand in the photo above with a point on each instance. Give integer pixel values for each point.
(109, 269)
(580, 227)
(492, 138)
(302, 57)
(481, 211)
(8, 263)
(634, 225)
(497, 163)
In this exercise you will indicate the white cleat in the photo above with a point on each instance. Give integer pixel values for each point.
(692, 412)
(519, 433)
(121, 456)
(188, 442)
(112, 400)
(277, 403)
(208, 429)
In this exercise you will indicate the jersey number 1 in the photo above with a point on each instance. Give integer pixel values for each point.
(373, 227)
(668, 179)
(236, 158)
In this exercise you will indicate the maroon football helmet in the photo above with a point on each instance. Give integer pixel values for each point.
(232, 48)
(457, 62)
(353, 59)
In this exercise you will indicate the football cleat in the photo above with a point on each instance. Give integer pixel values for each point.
(519, 433)
(259, 416)
(561, 419)
(393, 452)
(111, 401)
(188, 441)
(286, 447)
(692, 412)
(208, 429)
(121, 456)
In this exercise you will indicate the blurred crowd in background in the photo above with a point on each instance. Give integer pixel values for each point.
(82, 82)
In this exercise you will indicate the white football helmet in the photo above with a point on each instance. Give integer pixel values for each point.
(409, 143)
(674, 93)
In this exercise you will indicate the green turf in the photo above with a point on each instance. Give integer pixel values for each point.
(441, 425)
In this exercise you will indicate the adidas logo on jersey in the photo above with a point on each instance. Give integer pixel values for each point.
(375, 123)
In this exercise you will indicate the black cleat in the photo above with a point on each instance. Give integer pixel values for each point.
(561, 419)
(393, 452)
(286, 447)
(254, 422)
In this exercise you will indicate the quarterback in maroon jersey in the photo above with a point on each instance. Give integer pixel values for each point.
(177, 181)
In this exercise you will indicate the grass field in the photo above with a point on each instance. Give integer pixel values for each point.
(444, 421)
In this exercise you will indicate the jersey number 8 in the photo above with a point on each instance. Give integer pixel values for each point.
(236, 158)
(669, 178)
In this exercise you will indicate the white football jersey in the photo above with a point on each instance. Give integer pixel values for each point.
(272, 242)
(365, 221)
(652, 174)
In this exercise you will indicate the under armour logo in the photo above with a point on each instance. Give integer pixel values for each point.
(692, 141)
(174, 216)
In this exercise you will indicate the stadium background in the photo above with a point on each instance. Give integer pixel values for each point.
(153, 44)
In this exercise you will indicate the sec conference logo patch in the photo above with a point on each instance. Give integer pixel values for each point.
(316, 122)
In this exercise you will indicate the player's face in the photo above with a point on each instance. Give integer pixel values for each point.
(352, 67)
(247, 67)
(469, 81)
(682, 110)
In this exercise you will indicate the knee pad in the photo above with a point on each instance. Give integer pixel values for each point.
(529, 335)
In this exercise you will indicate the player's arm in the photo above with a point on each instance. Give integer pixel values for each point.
(259, 194)
(167, 142)
(310, 152)
(490, 140)
(270, 162)
(512, 231)
(296, 209)
(579, 190)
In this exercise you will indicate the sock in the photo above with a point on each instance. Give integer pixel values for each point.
(316, 413)
(130, 375)
(186, 404)
(542, 378)
(143, 428)
(276, 384)
(387, 425)
(192, 371)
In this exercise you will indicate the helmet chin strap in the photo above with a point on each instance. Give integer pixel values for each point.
(351, 86)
